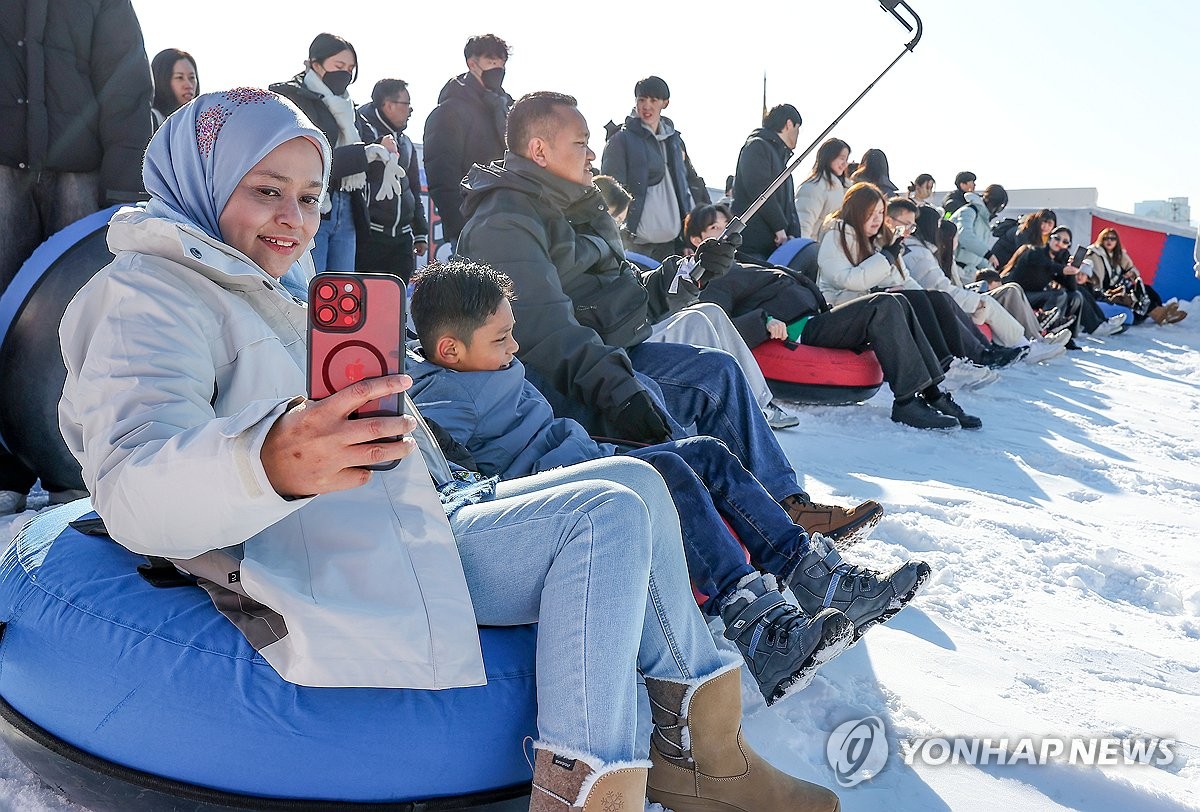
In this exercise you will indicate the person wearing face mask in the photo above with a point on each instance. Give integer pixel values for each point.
(320, 93)
(466, 128)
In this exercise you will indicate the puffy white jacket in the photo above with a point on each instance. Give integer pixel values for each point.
(923, 267)
(840, 280)
(180, 355)
(816, 200)
(975, 238)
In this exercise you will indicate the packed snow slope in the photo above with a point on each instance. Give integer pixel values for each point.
(1065, 600)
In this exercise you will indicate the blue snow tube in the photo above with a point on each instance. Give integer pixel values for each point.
(31, 367)
(130, 696)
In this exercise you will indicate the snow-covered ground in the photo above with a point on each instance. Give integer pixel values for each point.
(1065, 600)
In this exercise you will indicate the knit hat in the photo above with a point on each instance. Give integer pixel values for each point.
(651, 87)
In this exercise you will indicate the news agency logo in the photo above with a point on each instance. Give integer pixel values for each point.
(857, 750)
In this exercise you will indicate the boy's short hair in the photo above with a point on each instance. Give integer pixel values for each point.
(652, 87)
(455, 298)
(385, 89)
(616, 197)
(535, 114)
(778, 116)
(988, 275)
(897, 204)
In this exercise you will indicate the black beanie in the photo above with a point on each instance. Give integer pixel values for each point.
(652, 87)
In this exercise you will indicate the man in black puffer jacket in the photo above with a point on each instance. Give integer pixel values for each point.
(583, 314)
(763, 158)
(466, 127)
(74, 123)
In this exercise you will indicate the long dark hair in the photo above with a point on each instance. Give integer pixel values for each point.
(1030, 231)
(1115, 255)
(873, 168)
(161, 68)
(827, 153)
(857, 206)
(947, 231)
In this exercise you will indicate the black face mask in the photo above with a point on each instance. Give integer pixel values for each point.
(337, 81)
(493, 79)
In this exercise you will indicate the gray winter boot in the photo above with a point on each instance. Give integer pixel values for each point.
(822, 579)
(782, 645)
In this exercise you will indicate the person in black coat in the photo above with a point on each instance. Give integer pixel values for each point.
(763, 158)
(963, 182)
(74, 121)
(466, 128)
(765, 302)
(399, 231)
(1043, 272)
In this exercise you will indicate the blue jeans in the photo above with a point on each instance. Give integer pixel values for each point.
(705, 389)
(335, 241)
(708, 484)
(600, 567)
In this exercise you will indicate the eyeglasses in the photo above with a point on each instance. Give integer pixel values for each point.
(899, 226)
(397, 101)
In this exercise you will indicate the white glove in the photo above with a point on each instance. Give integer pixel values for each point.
(393, 176)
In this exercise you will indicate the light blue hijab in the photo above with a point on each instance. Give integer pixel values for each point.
(205, 148)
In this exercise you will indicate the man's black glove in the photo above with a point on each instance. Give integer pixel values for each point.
(639, 420)
(893, 250)
(716, 256)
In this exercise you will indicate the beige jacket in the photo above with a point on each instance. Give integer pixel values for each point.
(815, 201)
(841, 281)
(180, 355)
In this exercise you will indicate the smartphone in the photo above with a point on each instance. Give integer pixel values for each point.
(356, 324)
(1077, 259)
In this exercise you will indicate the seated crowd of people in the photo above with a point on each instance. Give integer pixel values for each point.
(596, 431)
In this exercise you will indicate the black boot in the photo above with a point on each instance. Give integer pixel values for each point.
(782, 645)
(917, 413)
(822, 579)
(945, 404)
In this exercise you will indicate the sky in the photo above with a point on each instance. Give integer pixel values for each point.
(1026, 93)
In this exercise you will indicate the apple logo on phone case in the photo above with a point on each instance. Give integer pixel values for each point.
(355, 360)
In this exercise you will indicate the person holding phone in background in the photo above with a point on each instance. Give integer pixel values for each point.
(185, 366)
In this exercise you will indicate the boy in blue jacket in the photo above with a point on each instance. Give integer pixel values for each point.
(467, 380)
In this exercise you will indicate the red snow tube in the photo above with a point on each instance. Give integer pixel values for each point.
(818, 375)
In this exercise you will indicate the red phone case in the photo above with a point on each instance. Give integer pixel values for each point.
(356, 325)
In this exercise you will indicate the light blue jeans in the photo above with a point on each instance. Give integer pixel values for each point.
(335, 241)
(600, 567)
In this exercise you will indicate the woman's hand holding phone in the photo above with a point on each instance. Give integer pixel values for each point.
(316, 447)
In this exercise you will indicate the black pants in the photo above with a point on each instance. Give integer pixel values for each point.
(887, 324)
(1091, 316)
(949, 336)
(379, 252)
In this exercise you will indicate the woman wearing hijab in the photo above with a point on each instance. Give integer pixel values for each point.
(320, 91)
(185, 367)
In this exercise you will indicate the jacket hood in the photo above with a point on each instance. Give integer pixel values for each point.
(134, 229)
(666, 127)
(522, 175)
(371, 113)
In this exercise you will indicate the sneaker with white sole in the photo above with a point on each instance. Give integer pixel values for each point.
(1043, 350)
(778, 418)
(965, 375)
(1112, 325)
(1060, 336)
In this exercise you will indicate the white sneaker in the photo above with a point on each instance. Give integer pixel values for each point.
(965, 375)
(11, 502)
(1043, 350)
(1059, 337)
(778, 418)
(1111, 326)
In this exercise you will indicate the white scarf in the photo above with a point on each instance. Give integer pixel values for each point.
(343, 112)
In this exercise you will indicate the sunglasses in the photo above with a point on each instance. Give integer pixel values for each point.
(1110, 239)
(1060, 240)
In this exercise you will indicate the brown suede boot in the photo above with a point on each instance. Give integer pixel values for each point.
(1158, 314)
(563, 784)
(702, 764)
(843, 526)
